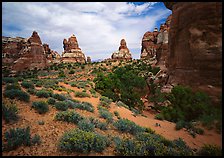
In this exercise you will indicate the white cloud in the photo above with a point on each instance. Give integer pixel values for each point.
(98, 26)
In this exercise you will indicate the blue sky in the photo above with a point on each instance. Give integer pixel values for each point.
(98, 26)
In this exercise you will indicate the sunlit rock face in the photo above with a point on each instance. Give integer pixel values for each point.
(31, 54)
(72, 52)
(123, 53)
(195, 46)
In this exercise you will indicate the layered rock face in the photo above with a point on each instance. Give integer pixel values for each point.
(52, 56)
(195, 46)
(31, 56)
(123, 53)
(72, 52)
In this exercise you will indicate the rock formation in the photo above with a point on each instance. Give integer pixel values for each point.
(52, 56)
(31, 56)
(149, 46)
(195, 46)
(72, 52)
(123, 53)
(88, 60)
(20, 54)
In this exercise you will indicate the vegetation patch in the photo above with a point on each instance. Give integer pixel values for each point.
(9, 112)
(17, 94)
(104, 113)
(41, 107)
(81, 94)
(82, 141)
(86, 125)
(68, 116)
(61, 105)
(27, 84)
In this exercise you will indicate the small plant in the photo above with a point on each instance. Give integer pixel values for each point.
(12, 86)
(101, 125)
(32, 91)
(59, 97)
(41, 107)
(125, 125)
(86, 125)
(179, 125)
(41, 122)
(116, 113)
(17, 137)
(81, 94)
(68, 116)
(9, 80)
(9, 112)
(27, 84)
(210, 150)
(19, 94)
(105, 102)
(71, 71)
(51, 101)
(82, 141)
(120, 103)
(61, 105)
(104, 113)
(36, 140)
(84, 106)
(43, 94)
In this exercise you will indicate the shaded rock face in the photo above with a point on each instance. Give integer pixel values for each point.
(88, 60)
(72, 52)
(195, 45)
(10, 49)
(52, 56)
(123, 53)
(149, 44)
(31, 56)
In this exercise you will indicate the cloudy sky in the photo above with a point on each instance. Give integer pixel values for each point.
(98, 26)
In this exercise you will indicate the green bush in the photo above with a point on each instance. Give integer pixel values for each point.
(86, 125)
(61, 105)
(27, 84)
(104, 113)
(105, 102)
(41, 107)
(9, 112)
(9, 80)
(71, 71)
(84, 106)
(120, 103)
(43, 94)
(12, 86)
(51, 101)
(19, 94)
(82, 141)
(68, 116)
(179, 125)
(210, 150)
(36, 140)
(81, 94)
(32, 91)
(17, 137)
(159, 117)
(116, 113)
(59, 97)
(125, 125)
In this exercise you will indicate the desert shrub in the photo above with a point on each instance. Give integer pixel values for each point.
(116, 113)
(16, 93)
(199, 131)
(81, 94)
(71, 71)
(41, 107)
(38, 83)
(43, 93)
(210, 150)
(41, 122)
(159, 117)
(32, 91)
(82, 141)
(104, 113)
(12, 86)
(59, 97)
(17, 137)
(9, 112)
(9, 80)
(51, 101)
(92, 91)
(27, 84)
(36, 140)
(68, 116)
(179, 125)
(61, 74)
(61, 105)
(105, 102)
(86, 125)
(125, 125)
(84, 106)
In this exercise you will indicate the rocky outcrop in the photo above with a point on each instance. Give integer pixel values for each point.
(195, 46)
(31, 56)
(72, 52)
(123, 53)
(52, 56)
(88, 60)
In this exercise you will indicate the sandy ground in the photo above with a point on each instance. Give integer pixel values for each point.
(52, 130)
